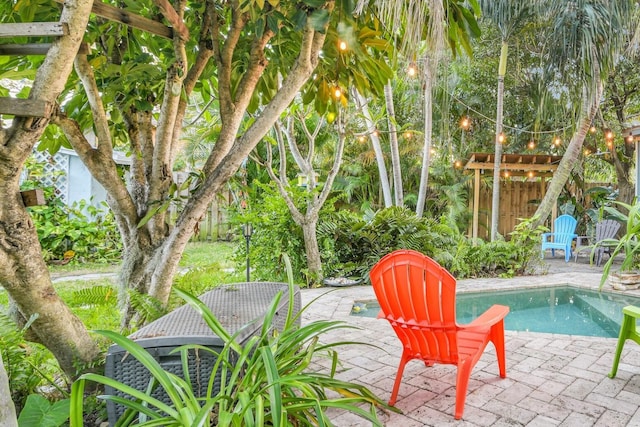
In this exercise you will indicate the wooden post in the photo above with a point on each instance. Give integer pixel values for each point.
(33, 197)
(476, 202)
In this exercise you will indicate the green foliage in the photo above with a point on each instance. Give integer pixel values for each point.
(266, 381)
(628, 243)
(360, 244)
(78, 233)
(274, 233)
(81, 232)
(518, 256)
(38, 411)
(24, 362)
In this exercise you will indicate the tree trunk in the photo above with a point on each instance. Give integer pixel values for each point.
(311, 249)
(569, 159)
(25, 276)
(428, 127)
(393, 143)
(23, 272)
(7, 409)
(377, 148)
(495, 200)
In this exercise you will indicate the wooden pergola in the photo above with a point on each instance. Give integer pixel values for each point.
(528, 166)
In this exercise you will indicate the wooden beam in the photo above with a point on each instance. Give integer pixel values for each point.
(25, 49)
(122, 16)
(514, 166)
(36, 49)
(34, 29)
(26, 107)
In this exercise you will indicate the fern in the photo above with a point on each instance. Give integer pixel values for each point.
(96, 295)
(147, 308)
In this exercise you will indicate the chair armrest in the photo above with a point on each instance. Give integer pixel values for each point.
(493, 315)
(545, 236)
(582, 241)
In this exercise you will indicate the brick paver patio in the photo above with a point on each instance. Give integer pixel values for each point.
(552, 380)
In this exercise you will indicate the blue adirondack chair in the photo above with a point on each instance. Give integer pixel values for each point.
(564, 228)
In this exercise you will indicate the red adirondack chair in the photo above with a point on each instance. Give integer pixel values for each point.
(418, 298)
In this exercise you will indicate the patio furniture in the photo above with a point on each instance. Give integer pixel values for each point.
(240, 308)
(605, 229)
(418, 298)
(564, 228)
(627, 332)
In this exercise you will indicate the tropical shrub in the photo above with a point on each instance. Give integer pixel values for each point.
(266, 381)
(78, 233)
(28, 365)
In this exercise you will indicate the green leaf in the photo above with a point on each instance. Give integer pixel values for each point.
(319, 20)
(38, 411)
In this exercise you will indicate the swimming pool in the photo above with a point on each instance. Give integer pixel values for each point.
(556, 309)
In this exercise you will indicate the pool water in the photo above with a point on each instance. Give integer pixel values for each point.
(558, 309)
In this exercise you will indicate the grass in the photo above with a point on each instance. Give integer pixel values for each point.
(204, 265)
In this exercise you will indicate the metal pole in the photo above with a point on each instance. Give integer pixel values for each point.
(248, 237)
(247, 230)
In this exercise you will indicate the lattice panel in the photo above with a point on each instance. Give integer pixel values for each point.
(56, 172)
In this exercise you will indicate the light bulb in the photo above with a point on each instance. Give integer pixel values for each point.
(411, 70)
(464, 123)
(337, 93)
(532, 144)
(592, 129)
(501, 138)
(342, 45)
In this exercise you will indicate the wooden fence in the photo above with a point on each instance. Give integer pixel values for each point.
(518, 199)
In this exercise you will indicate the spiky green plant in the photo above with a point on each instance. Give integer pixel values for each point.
(266, 381)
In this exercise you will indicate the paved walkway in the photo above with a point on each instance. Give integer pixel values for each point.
(552, 380)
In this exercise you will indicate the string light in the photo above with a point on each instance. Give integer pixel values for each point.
(610, 144)
(531, 145)
(337, 92)
(506, 174)
(465, 123)
(531, 174)
(375, 133)
(557, 141)
(630, 138)
(608, 134)
(592, 129)
(412, 70)
(342, 45)
(458, 164)
(408, 135)
(362, 138)
(501, 138)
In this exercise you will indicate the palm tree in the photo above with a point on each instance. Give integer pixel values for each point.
(593, 34)
(509, 16)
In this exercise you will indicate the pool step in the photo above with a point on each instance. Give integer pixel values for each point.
(602, 312)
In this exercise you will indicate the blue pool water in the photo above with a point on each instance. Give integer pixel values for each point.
(559, 309)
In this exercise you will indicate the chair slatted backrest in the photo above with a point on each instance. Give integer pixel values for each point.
(564, 228)
(418, 297)
(606, 229)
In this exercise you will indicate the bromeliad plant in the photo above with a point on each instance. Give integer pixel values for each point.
(267, 381)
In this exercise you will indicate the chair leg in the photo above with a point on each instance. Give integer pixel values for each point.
(627, 332)
(497, 338)
(628, 323)
(462, 383)
(599, 253)
(396, 384)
